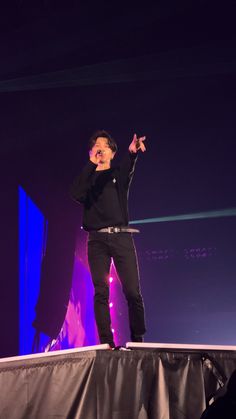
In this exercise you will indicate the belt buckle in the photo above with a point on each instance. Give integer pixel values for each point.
(112, 230)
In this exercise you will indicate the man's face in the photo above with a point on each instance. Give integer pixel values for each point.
(106, 153)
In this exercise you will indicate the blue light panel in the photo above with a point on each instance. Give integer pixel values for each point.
(32, 242)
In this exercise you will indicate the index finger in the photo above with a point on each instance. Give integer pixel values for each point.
(134, 137)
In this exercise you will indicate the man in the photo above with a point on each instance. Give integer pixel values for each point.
(103, 191)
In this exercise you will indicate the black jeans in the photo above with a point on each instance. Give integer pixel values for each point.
(102, 247)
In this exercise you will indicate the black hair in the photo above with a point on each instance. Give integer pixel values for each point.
(104, 134)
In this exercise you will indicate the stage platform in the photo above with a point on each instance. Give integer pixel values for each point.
(154, 381)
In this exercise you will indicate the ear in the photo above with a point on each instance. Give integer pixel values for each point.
(113, 155)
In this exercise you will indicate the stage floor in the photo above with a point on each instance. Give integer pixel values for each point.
(97, 383)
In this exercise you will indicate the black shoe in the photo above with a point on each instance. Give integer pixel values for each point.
(112, 345)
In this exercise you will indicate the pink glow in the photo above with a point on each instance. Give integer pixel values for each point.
(110, 279)
(118, 312)
(111, 305)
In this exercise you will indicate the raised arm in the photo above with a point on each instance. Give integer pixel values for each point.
(82, 182)
(127, 165)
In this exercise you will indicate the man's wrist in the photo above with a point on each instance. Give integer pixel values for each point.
(133, 154)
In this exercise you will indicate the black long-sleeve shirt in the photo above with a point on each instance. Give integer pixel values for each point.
(104, 194)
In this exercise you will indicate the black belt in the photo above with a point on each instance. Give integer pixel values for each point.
(117, 230)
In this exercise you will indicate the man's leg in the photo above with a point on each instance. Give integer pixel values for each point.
(125, 260)
(99, 263)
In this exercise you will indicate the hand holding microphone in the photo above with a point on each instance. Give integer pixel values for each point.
(95, 155)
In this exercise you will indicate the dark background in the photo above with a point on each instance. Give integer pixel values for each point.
(165, 70)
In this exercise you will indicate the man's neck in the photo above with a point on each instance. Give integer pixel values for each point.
(102, 167)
